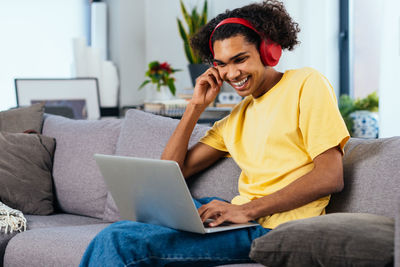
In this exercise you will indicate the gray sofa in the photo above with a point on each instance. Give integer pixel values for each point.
(84, 207)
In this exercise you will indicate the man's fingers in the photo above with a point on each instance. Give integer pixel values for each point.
(208, 214)
(215, 73)
(212, 210)
(201, 210)
(218, 221)
(211, 81)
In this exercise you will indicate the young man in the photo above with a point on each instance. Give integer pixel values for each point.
(287, 136)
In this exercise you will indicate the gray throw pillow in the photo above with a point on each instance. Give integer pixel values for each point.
(145, 135)
(22, 119)
(25, 172)
(339, 239)
(79, 185)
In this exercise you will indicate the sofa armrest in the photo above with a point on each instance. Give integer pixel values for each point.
(397, 235)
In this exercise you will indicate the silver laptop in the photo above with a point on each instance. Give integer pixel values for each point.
(154, 191)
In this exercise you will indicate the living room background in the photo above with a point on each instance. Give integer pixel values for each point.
(38, 43)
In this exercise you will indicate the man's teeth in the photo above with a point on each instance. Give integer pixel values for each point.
(238, 84)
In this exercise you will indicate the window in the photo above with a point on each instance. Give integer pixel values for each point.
(36, 40)
(365, 46)
(373, 60)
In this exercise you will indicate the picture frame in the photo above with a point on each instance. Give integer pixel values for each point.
(76, 98)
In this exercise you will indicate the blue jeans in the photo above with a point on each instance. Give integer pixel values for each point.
(128, 243)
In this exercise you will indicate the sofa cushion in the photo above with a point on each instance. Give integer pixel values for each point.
(22, 119)
(57, 246)
(339, 239)
(145, 135)
(55, 220)
(4, 239)
(59, 220)
(25, 172)
(79, 185)
(371, 177)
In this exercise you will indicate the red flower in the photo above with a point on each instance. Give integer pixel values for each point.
(165, 66)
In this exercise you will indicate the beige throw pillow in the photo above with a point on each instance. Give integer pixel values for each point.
(22, 119)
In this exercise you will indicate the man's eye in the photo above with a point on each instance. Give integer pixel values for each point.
(239, 60)
(221, 64)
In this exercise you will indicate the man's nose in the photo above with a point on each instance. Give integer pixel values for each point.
(232, 72)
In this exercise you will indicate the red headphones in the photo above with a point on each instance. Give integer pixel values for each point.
(270, 52)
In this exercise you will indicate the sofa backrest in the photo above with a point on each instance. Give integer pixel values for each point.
(371, 167)
(371, 177)
(220, 180)
(79, 186)
(145, 135)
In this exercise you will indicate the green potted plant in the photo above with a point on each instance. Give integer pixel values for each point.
(194, 21)
(159, 74)
(360, 115)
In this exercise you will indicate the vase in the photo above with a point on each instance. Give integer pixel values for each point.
(196, 70)
(365, 124)
(154, 95)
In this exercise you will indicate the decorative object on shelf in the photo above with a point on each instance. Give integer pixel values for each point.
(159, 74)
(194, 21)
(365, 124)
(72, 98)
(88, 63)
(361, 115)
(229, 98)
(98, 27)
(171, 108)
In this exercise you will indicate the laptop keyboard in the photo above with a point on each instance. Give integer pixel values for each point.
(206, 224)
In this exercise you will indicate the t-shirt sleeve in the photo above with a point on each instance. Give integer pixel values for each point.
(214, 136)
(320, 121)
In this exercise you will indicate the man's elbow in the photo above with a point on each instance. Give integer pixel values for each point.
(186, 171)
(337, 184)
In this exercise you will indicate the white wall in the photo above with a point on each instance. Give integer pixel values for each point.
(365, 46)
(36, 41)
(319, 38)
(389, 80)
(127, 46)
(319, 48)
(163, 42)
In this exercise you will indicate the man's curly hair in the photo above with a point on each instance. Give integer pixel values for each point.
(270, 18)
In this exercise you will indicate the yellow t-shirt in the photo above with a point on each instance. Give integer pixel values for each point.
(274, 138)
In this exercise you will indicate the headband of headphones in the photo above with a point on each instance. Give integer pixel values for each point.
(270, 52)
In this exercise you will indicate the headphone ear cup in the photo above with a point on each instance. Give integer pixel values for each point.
(270, 53)
(263, 52)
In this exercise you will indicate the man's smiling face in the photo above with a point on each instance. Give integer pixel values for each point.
(239, 64)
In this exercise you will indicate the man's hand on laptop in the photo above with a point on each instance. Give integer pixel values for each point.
(221, 211)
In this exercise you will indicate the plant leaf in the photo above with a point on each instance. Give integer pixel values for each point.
(171, 86)
(182, 31)
(195, 22)
(185, 38)
(189, 53)
(154, 64)
(371, 103)
(346, 105)
(143, 84)
(203, 20)
(186, 15)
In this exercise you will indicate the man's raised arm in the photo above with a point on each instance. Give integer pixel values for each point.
(199, 156)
